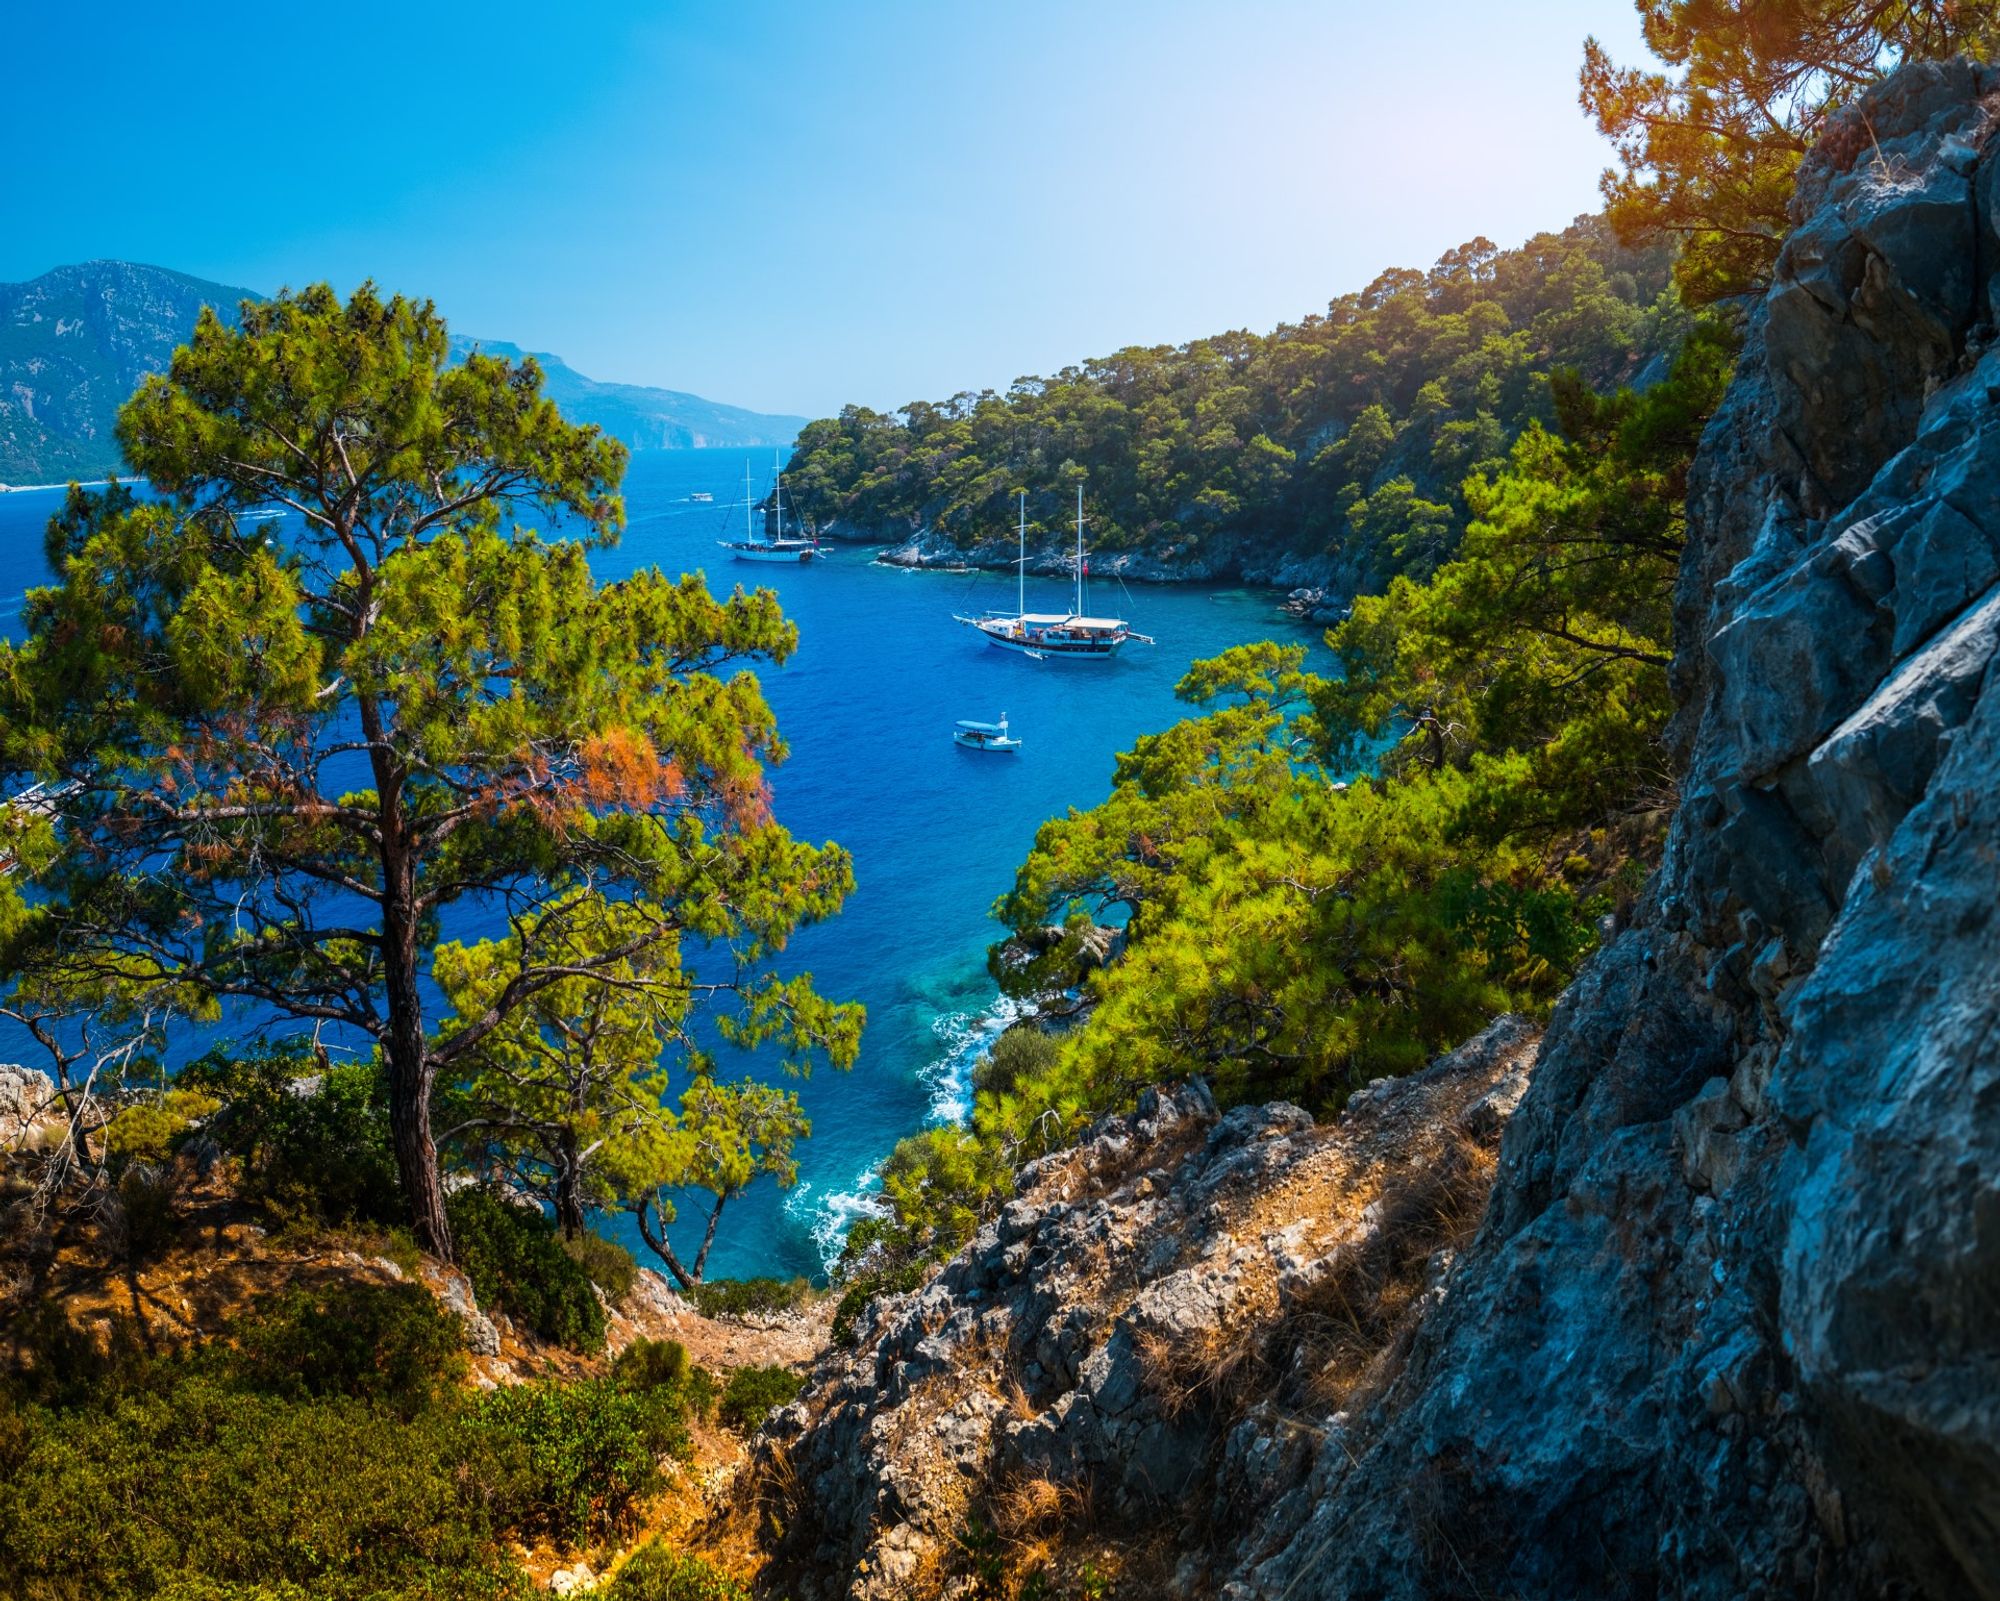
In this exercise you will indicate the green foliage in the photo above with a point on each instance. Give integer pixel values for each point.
(1708, 148)
(524, 732)
(1021, 1052)
(611, 1267)
(759, 1297)
(753, 1394)
(1290, 930)
(866, 1279)
(650, 1364)
(390, 1344)
(516, 1262)
(570, 1462)
(654, 1573)
(724, 1138)
(311, 1134)
(1347, 433)
(149, 1128)
(220, 1473)
(328, 1454)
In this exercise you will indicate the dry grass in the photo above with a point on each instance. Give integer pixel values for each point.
(1345, 1338)
(1217, 1369)
(1036, 1505)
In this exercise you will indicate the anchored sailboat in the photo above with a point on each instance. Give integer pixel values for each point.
(1062, 635)
(774, 546)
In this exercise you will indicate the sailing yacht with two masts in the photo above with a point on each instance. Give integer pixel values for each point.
(774, 546)
(1068, 636)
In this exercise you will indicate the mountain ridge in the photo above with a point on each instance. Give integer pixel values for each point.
(77, 339)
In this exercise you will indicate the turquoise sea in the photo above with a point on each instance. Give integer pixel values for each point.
(866, 706)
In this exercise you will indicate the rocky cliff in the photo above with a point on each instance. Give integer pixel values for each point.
(1731, 1322)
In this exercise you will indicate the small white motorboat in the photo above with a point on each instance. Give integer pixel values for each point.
(985, 736)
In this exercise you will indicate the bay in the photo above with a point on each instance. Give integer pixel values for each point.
(866, 706)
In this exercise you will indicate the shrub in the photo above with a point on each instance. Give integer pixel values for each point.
(1023, 1051)
(516, 1262)
(609, 1265)
(656, 1574)
(763, 1297)
(312, 1136)
(753, 1394)
(570, 1462)
(652, 1364)
(645, 1366)
(148, 1130)
(864, 1286)
(148, 1213)
(193, 1487)
(390, 1343)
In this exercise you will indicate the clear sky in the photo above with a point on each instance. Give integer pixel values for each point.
(789, 206)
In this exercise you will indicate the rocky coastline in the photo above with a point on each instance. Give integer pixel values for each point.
(1725, 1325)
(1316, 587)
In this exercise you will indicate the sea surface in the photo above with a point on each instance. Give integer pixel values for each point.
(936, 831)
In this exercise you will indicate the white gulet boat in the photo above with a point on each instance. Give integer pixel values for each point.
(985, 736)
(1064, 636)
(774, 546)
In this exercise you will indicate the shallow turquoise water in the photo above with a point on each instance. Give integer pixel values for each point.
(936, 831)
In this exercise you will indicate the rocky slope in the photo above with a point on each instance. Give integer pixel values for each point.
(1731, 1323)
(1174, 1314)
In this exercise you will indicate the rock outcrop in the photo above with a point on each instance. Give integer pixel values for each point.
(1169, 1314)
(1731, 1323)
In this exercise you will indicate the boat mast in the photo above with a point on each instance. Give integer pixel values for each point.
(1021, 564)
(1079, 550)
(749, 503)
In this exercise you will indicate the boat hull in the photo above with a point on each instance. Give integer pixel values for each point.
(760, 553)
(1004, 747)
(1065, 650)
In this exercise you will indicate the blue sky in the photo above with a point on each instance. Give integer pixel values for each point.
(788, 206)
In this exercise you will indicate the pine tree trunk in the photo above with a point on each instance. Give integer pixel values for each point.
(643, 1212)
(569, 1190)
(708, 1239)
(412, 1073)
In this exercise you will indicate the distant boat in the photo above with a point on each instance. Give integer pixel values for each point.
(1070, 635)
(774, 546)
(985, 736)
(701, 495)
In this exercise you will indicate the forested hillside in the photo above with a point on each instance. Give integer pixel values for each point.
(1345, 436)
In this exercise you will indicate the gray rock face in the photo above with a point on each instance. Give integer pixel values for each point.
(1081, 1345)
(29, 1109)
(1729, 1327)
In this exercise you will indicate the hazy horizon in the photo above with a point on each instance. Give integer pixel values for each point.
(788, 208)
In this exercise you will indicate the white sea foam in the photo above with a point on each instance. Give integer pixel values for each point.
(828, 1218)
(964, 1038)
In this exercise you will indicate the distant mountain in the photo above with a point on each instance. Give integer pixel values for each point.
(73, 344)
(646, 419)
(77, 340)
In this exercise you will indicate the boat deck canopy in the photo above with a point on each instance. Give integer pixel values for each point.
(1057, 619)
(981, 728)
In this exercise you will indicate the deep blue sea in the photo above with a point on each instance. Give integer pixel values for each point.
(936, 831)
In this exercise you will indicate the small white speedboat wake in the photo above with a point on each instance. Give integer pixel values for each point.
(985, 736)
